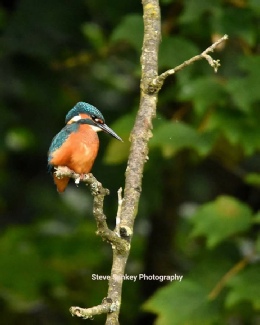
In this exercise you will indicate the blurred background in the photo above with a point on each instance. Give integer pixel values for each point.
(198, 211)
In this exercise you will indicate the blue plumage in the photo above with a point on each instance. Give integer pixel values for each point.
(84, 108)
(59, 139)
(62, 136)
(76, 145)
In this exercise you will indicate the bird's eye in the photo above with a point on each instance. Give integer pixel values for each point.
(97, 120)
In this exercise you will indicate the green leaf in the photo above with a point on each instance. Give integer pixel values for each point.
(94, 35)
(181, 303)
(173, 51)
(174, 136)
(245, 286)
(193, 10)
(253, 179)
(236, 22)
(240, 128)
(221, 219)
(257, 220)
(245, 89)
(130, 30)
(254, 4)
(117, 151)
(178, 135)
(22, 271)
(218, 263)
(204, 92)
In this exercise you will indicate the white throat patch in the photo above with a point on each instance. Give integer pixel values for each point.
(95, 128)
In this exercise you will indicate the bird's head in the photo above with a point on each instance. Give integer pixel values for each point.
(84, 113)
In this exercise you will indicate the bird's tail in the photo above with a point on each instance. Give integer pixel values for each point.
(61, 183)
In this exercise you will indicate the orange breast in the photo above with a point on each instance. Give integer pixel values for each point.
(79, 151)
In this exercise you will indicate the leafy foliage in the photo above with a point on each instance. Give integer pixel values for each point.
(220, 219)
(189, 299)
(244, 289)
(133, 23)
(199, 209)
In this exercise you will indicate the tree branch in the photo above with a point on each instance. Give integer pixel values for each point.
(139, 138)
(120, 238)
(107, 306)
(232, 272)
(157, 82)
(98, 192)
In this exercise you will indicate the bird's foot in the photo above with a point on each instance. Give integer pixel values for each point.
(77, 180)
(80, 178)
(64, 171)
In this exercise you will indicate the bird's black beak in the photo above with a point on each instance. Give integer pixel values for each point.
(107, 129)
(100, 126)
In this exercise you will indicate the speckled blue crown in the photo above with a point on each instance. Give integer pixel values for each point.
(86, 108)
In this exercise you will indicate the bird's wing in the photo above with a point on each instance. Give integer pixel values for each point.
(59, 139)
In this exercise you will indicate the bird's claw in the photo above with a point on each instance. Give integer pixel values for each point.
(80, 178)
(77, 180)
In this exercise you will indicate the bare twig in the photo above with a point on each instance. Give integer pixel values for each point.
(232, 272)
(157, 82)
(107, 306)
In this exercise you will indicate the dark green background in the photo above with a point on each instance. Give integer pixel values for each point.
(198, 211)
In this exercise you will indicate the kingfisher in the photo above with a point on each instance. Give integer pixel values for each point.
(76, 145)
